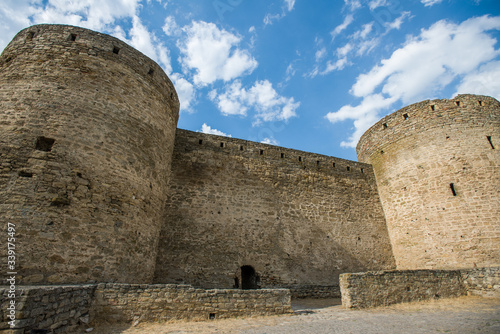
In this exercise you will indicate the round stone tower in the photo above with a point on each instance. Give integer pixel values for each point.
(437, 169)
(87, 127)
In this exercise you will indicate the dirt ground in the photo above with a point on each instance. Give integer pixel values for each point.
(458, 315)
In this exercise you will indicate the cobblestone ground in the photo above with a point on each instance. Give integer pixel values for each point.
(461, 315)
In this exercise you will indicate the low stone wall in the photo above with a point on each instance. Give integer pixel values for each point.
(482, 281)
(141, 302)
(370, 289)
(314, 291)
(48, 309)
(63, 309)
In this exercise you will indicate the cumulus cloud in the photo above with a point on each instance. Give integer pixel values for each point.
(170, 27)
(424, 66)
(213, 54)
(482, 81)
(208, 130)
(97, 15)
(270, 141)
(100, 15)
(428, 3)
(146, 42)
(185, 91)
(262, 97)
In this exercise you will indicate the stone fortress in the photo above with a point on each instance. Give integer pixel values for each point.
(110, 199)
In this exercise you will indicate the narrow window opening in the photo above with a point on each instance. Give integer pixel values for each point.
(72, 37)
(282, 155)
(457, 103)
(384, 126)
(405, 116)
(333, 164)
(491, 143)
(261, 152)
(433, 107)
(317, 162)
(452, 187)
(480, 103)
(236, 283)
(300, 159)
(211, 316)
(116, 50)
(30, 35)
(221, 144)
(241, 147)
(362, 170)
(44, 144)
(348, 168)
(151, 71)
(23, 173)
(200, 141)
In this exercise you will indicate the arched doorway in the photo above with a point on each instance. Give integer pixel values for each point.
(249, 278)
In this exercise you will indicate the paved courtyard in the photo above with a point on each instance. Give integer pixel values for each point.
(460, 315)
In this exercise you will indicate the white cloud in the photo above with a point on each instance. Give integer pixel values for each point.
(185, 91)
(146, 42)
(100, 15)
(423, 67)
(364, 115)
(170, 27)
(290, 72)
(270, 141)
(363, 33)
(396, 24)
(320, 54)
(289, 4)
(431, 60)
(335, 65)
(353, 4)
(232, 101)
(92, 14)
(213, 54)
(208, 130)
(428, 3)
(377, 3)
(341, 27)
(262, 97)
(484, 81)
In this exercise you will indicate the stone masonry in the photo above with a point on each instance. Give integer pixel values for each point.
(102, 188)
(438, 175)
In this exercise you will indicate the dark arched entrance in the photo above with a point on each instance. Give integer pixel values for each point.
(249, 278)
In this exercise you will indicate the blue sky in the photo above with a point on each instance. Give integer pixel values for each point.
(308, 75)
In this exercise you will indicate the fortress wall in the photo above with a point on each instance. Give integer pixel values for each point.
(437, 169)
(86, 136)
(233, 203)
